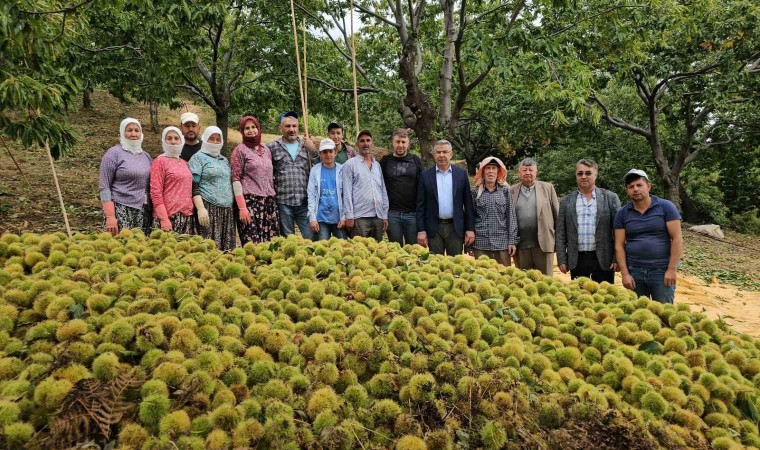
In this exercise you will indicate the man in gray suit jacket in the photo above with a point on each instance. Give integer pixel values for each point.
(585, 238)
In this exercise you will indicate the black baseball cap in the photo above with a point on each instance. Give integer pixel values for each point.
(292, 114)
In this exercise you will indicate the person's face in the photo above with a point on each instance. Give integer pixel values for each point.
(250, 129)
(490, 173)
(442, 155)
(585, 176)
(190, 130)
(336, 134)
(400, 145)
(638, 189)
(289, 129)
(215, 138)
(528, 175)
(132, 131)
(172, 138)
(327, 157)
(364, 144)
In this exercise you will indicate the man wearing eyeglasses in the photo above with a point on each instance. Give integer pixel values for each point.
(585, 238)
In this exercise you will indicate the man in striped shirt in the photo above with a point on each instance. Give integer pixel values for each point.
(365, 200)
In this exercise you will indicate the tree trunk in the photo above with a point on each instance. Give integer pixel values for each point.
(447, 68)
(223, 121)
(154, 125)
(87, 98)
(690, 209)
(416, 110)
(670, 186)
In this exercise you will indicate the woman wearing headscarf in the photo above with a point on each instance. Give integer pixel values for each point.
(495, 220)
(171, 186)
(212, 191)
(253, 185)
(123, 182)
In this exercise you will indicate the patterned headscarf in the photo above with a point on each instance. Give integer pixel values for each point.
(250, 142)
(501, 176)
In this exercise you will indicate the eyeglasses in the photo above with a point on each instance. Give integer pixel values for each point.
(588, 173)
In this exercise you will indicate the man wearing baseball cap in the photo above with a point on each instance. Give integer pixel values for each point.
(648, 241)
(326, 214)
(343, 151)
(190, 125)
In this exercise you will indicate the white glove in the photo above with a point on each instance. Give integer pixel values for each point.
(202, 211)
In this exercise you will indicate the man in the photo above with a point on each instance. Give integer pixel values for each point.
(364, 197)
(495, 221)
(648, 241)
(401, 170)
(445, 217)
(326, 216)
(292, 161)
(536, 206)
(344, 151)
(585, 240)
(190, 125)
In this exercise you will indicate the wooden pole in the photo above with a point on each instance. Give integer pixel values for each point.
(353, 64)
(10, 153)
(58, 188)
(298, 51)
(305, 85)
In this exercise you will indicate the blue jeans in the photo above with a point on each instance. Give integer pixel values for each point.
(650, 282)
(402, 227)
(329, 229)
(292, 215)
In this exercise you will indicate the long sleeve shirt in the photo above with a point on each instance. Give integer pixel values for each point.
(211, 179)
(171, 185)
(253, 169)
(124, 177)
(364, 192)
(445, 183)
(291, 176)
(495, 219)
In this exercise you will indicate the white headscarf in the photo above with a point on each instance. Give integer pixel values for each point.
(209, 148)
(133, 146)
(172, 151)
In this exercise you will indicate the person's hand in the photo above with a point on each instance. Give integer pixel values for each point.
(422, 239)
(349, 224)
(342, 224)
(614, 267)
(562, 268)
(511, 249)
(203, 219)
(112, 225)
(166, 224)
(309, 143)
(628, 281)
(469, 237)
(385, 225)
(670, 277)
(314, 226)
(245, 216)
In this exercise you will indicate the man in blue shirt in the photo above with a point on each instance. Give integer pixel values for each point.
(648, 241)
(326, 216)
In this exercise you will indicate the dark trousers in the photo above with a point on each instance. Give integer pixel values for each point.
(368, 227)
(588, 266)
(446, 240)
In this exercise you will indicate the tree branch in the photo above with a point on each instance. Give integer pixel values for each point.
(620, 123)
(641, 89)
(594, 16)
(376, 16)
(359, 89)
(659, 88)
(108, 49)
(192, 87)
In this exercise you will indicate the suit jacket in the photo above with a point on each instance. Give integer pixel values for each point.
(547, 207)
(607, 204)
(427, 202)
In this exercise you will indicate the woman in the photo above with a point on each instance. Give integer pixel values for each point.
(171, 186)
(253, 185)
(124, 178)
(212, 191)
(495, 220)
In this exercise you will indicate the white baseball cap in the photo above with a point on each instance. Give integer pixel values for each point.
(326, 144)
(189, 117)
(635, 173)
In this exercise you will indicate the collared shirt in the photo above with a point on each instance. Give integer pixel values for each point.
(364, 192)
(527, 191)
(647, 240)
(345, 153)
(586, 212)
(290, 176)
(445, 184)
(495, 219)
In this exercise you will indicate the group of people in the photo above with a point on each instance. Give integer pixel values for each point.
(269, 190)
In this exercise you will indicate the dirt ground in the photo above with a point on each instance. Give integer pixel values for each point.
(721, 278)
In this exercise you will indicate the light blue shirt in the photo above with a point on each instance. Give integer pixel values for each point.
(364, 194)
(292, 149)
(445, 183)
(586, 211)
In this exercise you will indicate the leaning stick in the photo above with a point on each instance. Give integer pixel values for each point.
(298, 58)
(10, 153)
(305, 85)
(58, 188)
(353, 64)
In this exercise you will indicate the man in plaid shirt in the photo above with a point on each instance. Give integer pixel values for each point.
(495, 219)
(292, 158)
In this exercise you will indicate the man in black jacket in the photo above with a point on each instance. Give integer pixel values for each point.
(401, 170)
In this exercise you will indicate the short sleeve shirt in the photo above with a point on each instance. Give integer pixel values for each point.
(647, 241)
